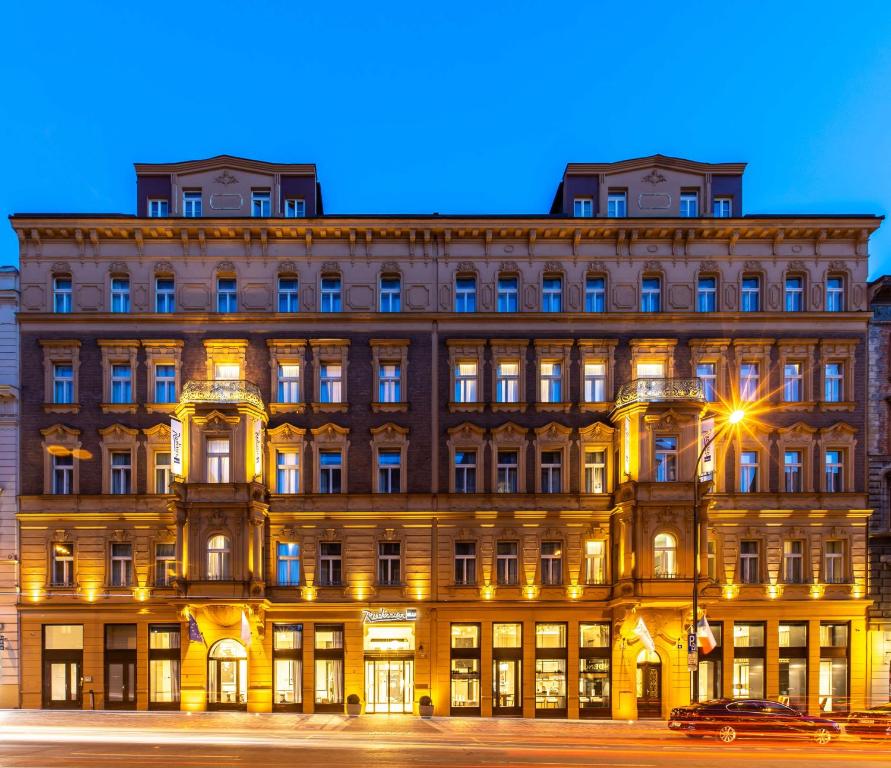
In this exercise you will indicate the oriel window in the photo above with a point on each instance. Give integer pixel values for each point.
(218, 460)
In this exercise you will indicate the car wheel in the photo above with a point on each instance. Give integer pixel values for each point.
(822, 736)
(727, 734)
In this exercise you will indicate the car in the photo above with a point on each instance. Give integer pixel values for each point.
(729, 719)
(875, 722)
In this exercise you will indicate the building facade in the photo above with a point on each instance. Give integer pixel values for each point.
(277, 457)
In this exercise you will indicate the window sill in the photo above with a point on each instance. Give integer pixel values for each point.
(330, 407)
(553, 407)
(508, 407)
(798, 405)
(287, 407)
(389, 407)
(61, 407)
(466, 407)
(842, 406)
(601, 406)
(160, 407)
(118, 407)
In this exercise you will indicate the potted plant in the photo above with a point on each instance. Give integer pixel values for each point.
(425, 706)
(354, 705)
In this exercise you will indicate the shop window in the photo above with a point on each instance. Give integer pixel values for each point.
(507, 669)
(595, 647)
(550, 669)
(793, 665)
(62, 665)
(711, 666)
(287, 667)
(328, 663)
(465, 669)
(164, 666)
(834, 664)
(120, 666)
(748, 661)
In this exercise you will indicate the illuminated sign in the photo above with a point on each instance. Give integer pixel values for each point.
(258, 448)
(706, 432)
(176, 447)
(386, 614)
(627, 429)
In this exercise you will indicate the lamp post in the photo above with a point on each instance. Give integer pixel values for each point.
(733, 418)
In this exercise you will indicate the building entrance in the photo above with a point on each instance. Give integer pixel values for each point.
(227, 675)
(389, 667)
(649, 685)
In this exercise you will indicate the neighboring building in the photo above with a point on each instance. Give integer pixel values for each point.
(440, 455)
(879, 451)
(9, 478)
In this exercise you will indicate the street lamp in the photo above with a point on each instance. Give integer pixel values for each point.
(734, 418)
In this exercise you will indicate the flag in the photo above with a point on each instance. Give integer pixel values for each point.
(245, 630)
(706, 637)
(641, 631)
(194, 631)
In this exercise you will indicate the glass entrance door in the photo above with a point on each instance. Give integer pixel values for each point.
(507, 683)
(649, 688)
(61, 684)
(227, 675)
(389, 685)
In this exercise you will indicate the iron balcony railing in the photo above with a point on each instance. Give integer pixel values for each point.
(660, 390)
(221, 391)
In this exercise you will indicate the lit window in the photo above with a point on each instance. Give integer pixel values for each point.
(792, 381)
(650, 370)
(751, 294)
(665, 556)
(192, 204)
(595, 382)
(749, 562)
(330, 564)
(465, 563)
(390, 291)
(834, 562)
(689, 205)
(289, 383)
(834, 378)
(666, 458)
(330, 383)
(465, 471)
(551, 471)
(794, 296)
(121, 564)
(63, 564)
(121, 384)
(63, 474)
(595, 294)
(616, 205)
(165, 383)
(121, 472)
(165, 294)
(330, 471)
(651, 295)
(707, 374)
(834, 471)
(466, 388)
(330, 290)
(793, 562)
(63, 383)
(583, 207)
(219, 553)
(162, 472)
(261, 203)
(390, 383)
(508, 294)
(288, 566)
(288, 294)
(227, 294)
(158, 208)
(792, 471)
(120, 294)
(389, 471)
(506, 563)
(62, 294)
(595, 561)
(165, 564)
(595, 471)
(748, 472)
(722, 207)
(218, 460)
(465, 294)
(707, 294)
(507, 471)
(835, 294)
(227, 371)
(295, 208)
(552, 294)
(507, 381)
(749, 381)
(550, 382)
(287, 472)
(389, 560)
(551, 563)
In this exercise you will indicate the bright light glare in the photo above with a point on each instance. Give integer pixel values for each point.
(736, 416)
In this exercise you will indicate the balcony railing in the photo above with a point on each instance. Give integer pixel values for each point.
(660, 390)
(221, 391)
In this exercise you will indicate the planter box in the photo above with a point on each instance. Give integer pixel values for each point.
(354, 710)
(425, 711)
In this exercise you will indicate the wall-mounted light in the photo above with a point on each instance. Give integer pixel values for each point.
(730, 591)
(817, 591)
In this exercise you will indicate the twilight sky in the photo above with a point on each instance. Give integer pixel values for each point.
(465, 107)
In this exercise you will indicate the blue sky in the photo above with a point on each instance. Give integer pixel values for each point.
(462, 108)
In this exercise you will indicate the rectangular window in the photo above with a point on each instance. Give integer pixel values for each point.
(835, 476)
(595, 561)
(650, 370)
(288, 564)
(749, 381)
(506, 563)
(466, 388)
(707, 294)
(165, 294)
(689, 205)
(164, 666)
(330, 294)
(748, 662)
(63, 474)
(218, 460)
(390, 294)
(465, 563)
(330, 564)
(792, 471)
(508, 294)
(295, 208)
(651, 295)
(583, 207)
(507, 635)
(792, 382)
(465, 669)
(708, 375)
(165, 383)
(121, 561)
(465, 294)
(595, 471)
(390, 383)
(551, 564)
(835, 294)
(162, 472)
(595, 294)
(121, 471)
(63, 383)
(120, 294)
(595, 382)
(834, 562)
(616, 205)
(389, 560)
(595, 647)
(227, 371)
(833, 382)
(552, 294)
(287, 666)
(507, 480)
(261, 203)
(121, 389)
(62, 294)
(328, 678)
(748, 472)
(550, 668)
(551, 471)
(330, 383)
(550, 382)
(287, 472)
(165, 564)
(666, 458)
(750, 301)
(288, 376)
(227, 294)
(722, 207)
(749, 562)
(191, 203)
(711, 556)
(330, 471)
(63, 564)
(793, 562)
(794, 294)
(507, 381)
(389, 471)
(465, 471)
(288, 294)
(834, 650)
(158, 208)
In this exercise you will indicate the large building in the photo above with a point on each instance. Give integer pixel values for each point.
(274, 457)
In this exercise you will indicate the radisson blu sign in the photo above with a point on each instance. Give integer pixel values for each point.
(382, 615)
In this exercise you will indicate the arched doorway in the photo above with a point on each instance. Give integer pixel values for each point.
(649, 685)
(227, 675)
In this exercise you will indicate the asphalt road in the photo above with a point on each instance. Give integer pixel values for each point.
(88, 740)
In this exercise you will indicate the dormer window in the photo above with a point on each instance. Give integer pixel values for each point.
(722, 207)
(158, 208)
(689, 205)
(261, 203)
(192, 203)
(295, 208)
(583, 207)
(617, 204)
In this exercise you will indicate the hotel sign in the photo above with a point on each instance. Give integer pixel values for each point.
(176, 447)
(385, 614)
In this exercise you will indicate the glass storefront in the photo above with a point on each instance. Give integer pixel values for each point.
(164, 665)
(834, 639)
(550, 670)
(63, 658)
(711, 679)
(507, 669)
(120, 666)
(465, 669)
(389, 667)
(227, 670)
(748, 661)
(793, 665)
(287, 667)
(594, 670)
(328, 682)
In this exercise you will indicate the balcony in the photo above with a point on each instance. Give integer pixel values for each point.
(221, 391)
(660, 391)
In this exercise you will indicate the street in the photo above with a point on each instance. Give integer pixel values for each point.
(30, 739)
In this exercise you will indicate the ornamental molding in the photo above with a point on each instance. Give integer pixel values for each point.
(163, 267)
(466, 266)
(553, 266)
(226, 178)
(508, 266)
(225, 266)
(330, 266)
(118, 268)
(596, 266)
(287, 268)
(654, 177)
(709, 265)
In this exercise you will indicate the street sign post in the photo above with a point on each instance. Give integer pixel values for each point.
(692, 653)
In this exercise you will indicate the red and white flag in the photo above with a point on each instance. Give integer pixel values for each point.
(706, 637)
(643, 634)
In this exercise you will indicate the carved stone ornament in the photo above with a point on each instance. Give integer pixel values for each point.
(61, 267)
(226, 178)
(508, 266)
(292, 532)
(389, 534)
(664, 516)
(464, 533)
(390, 266)
(797, 265)
(217, 516)
(118, 268)
(61, 534)
(653, 177)
(120, 534)
(709, 265)
(287, 268)
(329, 534)
(553, 266)
(163, 267)
(838, 266)
(596, 266)
(225, 266)
(509, 533)
(653, 266)
(752, 265)
(330, 266)
(466, 266)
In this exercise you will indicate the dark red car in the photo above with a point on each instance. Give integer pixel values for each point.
(874, 722)
(729, 719)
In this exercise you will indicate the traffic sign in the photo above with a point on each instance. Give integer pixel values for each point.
(692, 661)
(691, 643)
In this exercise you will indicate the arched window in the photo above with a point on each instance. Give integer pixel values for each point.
(226, 673)
(219, 553)
(665, 556)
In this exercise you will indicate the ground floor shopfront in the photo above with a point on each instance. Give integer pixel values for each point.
(545, 661)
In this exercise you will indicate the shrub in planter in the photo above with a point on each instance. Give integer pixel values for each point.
(425, 706)
(354, 705)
